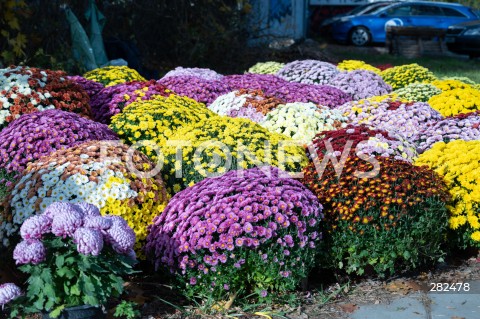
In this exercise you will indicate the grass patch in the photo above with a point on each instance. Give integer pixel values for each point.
(440, 66)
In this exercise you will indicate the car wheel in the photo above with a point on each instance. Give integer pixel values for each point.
(360, 36)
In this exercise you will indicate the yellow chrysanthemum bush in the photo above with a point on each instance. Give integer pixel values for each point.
(456, 101)
(219, 144)
(459, 163)
(450, 84)
(351, 65)
(152, 122)
(403, 75)
(107, 174)
(112, 75)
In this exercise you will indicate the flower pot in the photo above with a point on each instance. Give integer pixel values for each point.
(79, 312)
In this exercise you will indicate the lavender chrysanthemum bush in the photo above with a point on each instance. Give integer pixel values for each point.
(199, 89)
(8, 292)
(78, 223)
(308, 72)
(64, 243)
(289, 92)
(113, 99)
(405, 118)
(39, 134)
(361, 84)
(202, 73)
(251, 231)
(461, 127)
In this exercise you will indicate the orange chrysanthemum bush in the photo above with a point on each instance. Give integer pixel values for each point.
(24, 90)
(382, 215)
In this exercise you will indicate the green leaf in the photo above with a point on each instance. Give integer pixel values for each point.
(49, 292)
(40, 301)
(49, 305)
(75, 290)
(91, 300)
(59, 261)
(65, 272)
(57, 311)
(35, 285)
(46, 275)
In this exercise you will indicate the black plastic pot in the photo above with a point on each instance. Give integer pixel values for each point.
(80, 312)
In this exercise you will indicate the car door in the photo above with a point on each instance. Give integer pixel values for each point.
(394, 16)
(425, 15)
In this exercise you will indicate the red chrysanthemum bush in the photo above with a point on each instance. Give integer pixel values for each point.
(381, 215)
(361, 139)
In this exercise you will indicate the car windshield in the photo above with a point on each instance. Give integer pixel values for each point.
(375, 8)
(358, 9)
(367, 8)
(381, 9)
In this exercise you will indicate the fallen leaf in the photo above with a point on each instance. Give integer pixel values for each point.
(403, 287)
(348, 307)
(413, 285)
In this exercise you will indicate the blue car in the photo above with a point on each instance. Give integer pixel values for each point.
(363, 29)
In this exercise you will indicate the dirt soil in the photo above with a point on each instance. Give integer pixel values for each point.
(334, 301)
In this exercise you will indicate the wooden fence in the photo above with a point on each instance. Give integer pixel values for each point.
(415, 41)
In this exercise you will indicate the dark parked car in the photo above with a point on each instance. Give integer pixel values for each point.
(464, 38)
(361, 30)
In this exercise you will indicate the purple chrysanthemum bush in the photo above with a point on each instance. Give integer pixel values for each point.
(111, 100)
(194, 87)
(91, 87)
(252, 231)
(73, 256)
(289, 92)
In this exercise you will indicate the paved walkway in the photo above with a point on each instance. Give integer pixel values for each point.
(427, 305)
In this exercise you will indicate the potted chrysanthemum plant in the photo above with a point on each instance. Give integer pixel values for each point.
(75, 259)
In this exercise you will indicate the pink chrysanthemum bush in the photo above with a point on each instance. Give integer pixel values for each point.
(39, 134)
(247, 232)
(73, 256)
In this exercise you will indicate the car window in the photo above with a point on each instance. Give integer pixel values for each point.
(423, 10)
(449, 12)
(401, 11)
